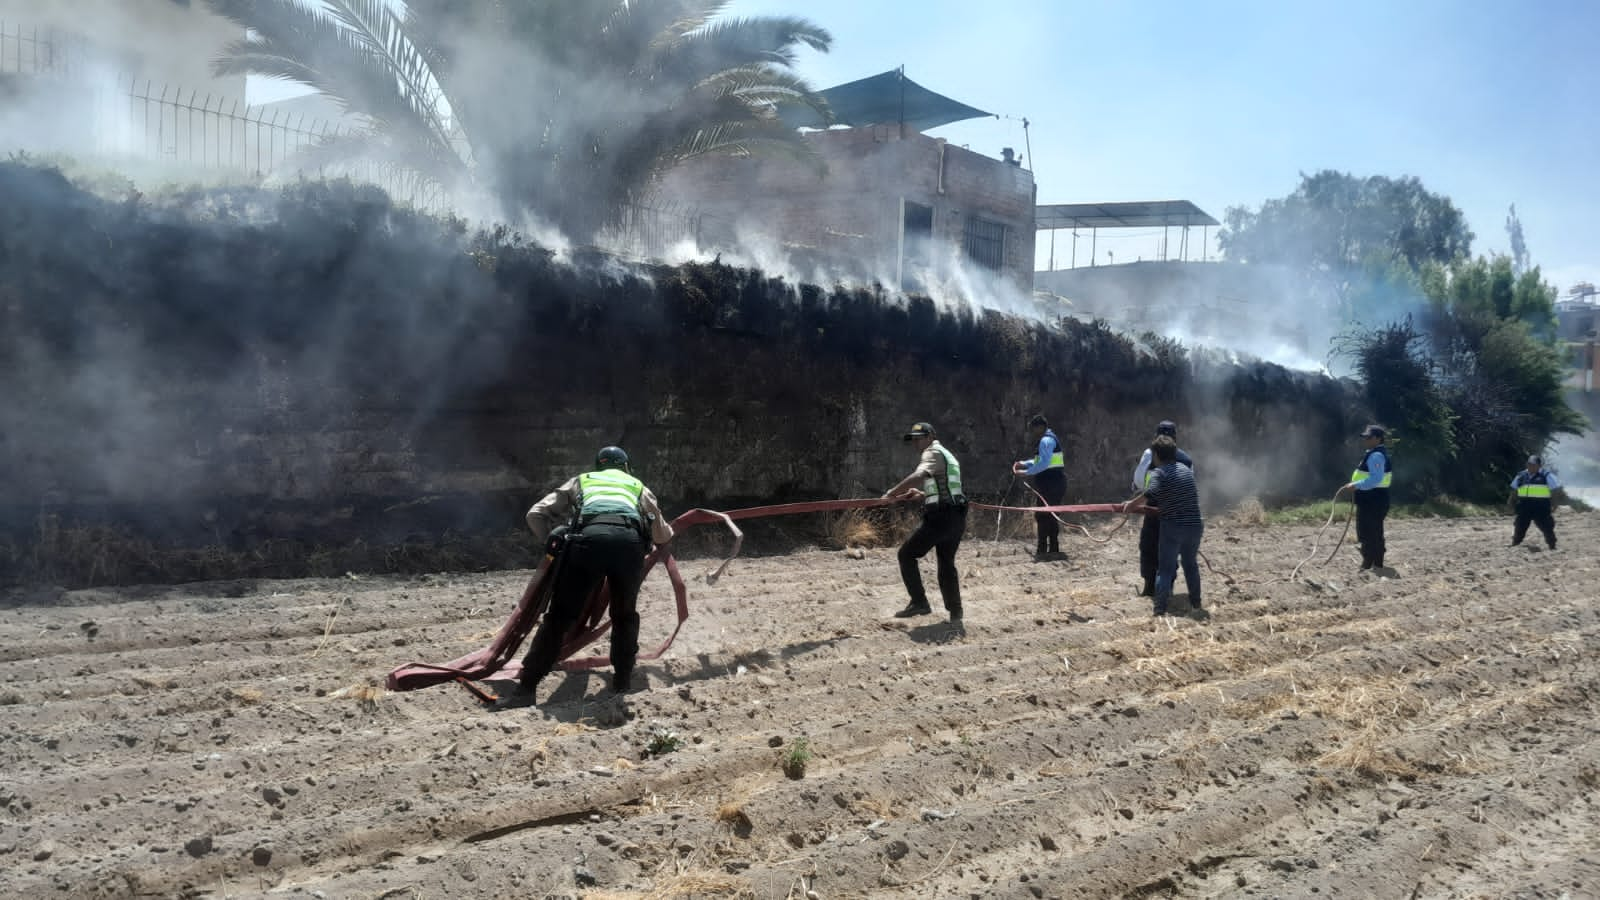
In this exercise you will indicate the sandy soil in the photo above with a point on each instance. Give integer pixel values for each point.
(1428, 735)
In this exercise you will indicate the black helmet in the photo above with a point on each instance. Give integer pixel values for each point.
(611, 458)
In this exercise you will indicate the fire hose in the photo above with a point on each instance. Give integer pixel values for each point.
(593, 623)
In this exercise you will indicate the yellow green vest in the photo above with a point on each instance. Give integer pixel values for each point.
(609, 492)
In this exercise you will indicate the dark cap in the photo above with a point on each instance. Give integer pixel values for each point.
(1167, 427)
(1038, 421)
(1374, 431)
(921, 429)
(1535, 460)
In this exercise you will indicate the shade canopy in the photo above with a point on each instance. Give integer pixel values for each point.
(1139, 214)
(887, 99)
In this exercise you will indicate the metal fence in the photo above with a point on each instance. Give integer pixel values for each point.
(144, 121)
(655, 230)
(27, 50)
(209, 132)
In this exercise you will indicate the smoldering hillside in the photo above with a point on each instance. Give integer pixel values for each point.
(255, 382)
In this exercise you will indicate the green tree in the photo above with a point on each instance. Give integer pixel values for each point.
(1399, 379)
(1500, 365)
(1335, 220)
(569, 109)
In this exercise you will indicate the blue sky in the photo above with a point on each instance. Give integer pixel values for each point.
(1225, 103)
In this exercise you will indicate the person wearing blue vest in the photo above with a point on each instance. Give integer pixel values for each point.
(1371, 481)
(1048, 469)
(1531, 491)
(1150, 531)
(936, 481)
(604, 522)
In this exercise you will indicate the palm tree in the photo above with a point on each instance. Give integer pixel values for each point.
(570, 109)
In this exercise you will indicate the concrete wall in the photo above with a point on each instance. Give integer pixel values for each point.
(847, 215)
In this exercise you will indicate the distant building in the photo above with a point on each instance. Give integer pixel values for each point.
(881, 201)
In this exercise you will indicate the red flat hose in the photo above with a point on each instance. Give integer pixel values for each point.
(594, 622)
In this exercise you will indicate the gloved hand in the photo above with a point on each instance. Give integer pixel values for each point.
(557, 541)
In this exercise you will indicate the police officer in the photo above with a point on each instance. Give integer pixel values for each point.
(611, 518)
(1371, 481)
(1531, 490)
(1150, 531)
(1048, 468)
(944, 521)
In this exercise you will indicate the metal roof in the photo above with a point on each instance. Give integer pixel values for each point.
(887, 99)
(1139, 214)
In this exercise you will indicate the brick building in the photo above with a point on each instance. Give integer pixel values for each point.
(887, 202)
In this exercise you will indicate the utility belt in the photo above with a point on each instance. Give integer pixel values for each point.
(617, 519)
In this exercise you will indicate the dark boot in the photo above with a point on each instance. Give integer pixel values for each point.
(621, 680)
(1149, 588)
(914, 609)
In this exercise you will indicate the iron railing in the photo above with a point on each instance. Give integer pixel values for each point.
(140, 120)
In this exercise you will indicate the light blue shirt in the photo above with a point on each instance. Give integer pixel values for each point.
(1047, 449)
(1549, 480)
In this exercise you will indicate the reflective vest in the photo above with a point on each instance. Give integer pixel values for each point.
(609, 492)
(1362, 470)
(1058, 460)
(1536, 487)
(952, 470)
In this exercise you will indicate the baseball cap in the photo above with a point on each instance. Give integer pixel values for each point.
(921, 429)
(1373, 431)
(1167, 427)
(1535, 460)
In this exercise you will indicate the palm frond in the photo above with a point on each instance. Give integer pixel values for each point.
(352, 51)
(734, 42)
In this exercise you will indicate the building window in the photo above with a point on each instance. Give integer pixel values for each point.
(985, 242)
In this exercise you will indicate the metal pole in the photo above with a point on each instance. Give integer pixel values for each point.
(1052, 249)
(1094, 245)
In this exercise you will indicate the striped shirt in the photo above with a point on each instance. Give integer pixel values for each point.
(1172, 490)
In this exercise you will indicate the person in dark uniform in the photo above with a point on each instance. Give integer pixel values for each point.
(936, 481)
(1150, 531)
(1371, 481)
(1173, 492)
(1531, 491)
(611, 519)
(1048, 468)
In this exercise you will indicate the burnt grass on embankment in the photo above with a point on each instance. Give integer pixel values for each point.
(303, 380)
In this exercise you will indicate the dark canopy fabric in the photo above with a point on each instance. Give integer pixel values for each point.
(887, 99)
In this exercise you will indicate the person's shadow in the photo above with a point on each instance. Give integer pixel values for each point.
(937, 632)
(571, 697)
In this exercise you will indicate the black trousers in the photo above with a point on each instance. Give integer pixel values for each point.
(1052, 486)
(1372, 507)
(941, 531)
(1538, 513)
(1149, 549)
(616, 554)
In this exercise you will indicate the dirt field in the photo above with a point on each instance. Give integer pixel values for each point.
(1429, 735)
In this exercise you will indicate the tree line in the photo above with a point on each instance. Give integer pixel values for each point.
(1457, 354)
